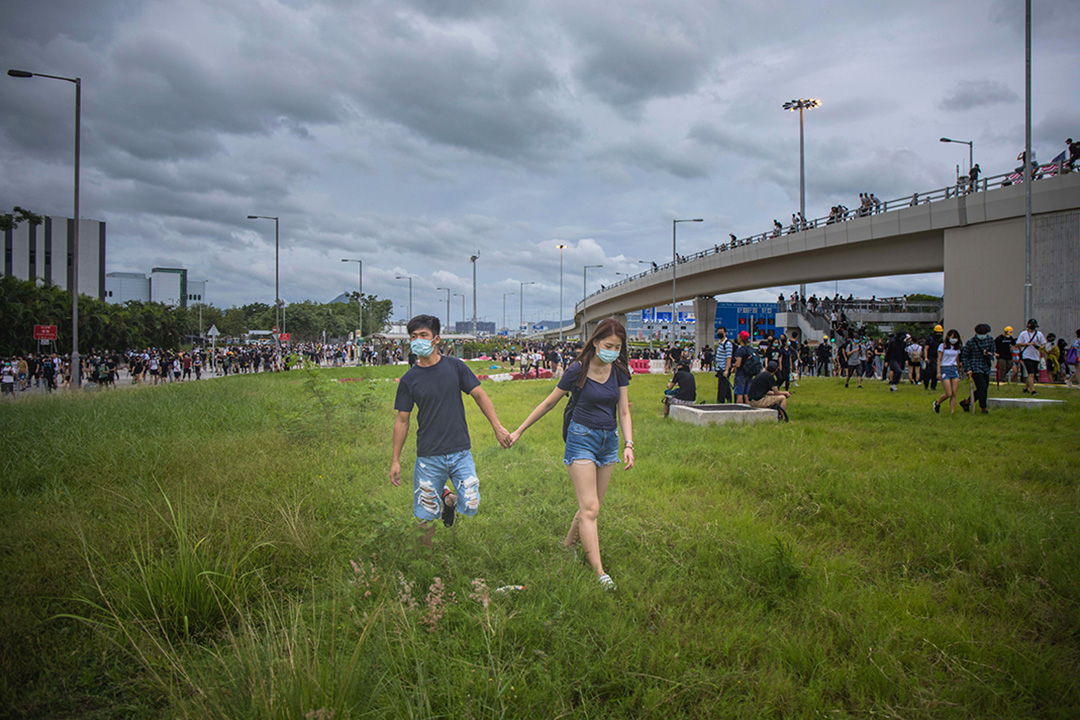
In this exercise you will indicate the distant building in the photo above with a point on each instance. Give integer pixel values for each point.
(169, 286)
(46, 252)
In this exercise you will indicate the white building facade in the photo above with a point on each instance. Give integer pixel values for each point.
(45, 252)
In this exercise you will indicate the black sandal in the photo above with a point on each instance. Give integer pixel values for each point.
(448, 511)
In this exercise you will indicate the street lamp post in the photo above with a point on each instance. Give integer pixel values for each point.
(585, 301)
(802, 105)
(76, 367)
(447, 304)
(360, 270)
(463, 320)
(505, 323)
(409, 278)
(971, 149)
(674, 273)
(521, 304)
(473, 260)
(277, 297)
(561, 248)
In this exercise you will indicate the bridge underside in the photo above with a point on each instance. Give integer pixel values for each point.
(897, 255)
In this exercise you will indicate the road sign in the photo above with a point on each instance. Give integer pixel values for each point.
(213, 331)
(44, 332)
(283, 337)
(274, 329)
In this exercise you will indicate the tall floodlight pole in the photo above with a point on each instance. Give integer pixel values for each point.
(561, 248)
(585, 301)
(473, 260)
(674, 266)
(447, 304)
(409, 278)
(1027, 160)
(505, 323)
(360, 264)
(802, 105)
(521, 304)
(277, 266)
(76, 367)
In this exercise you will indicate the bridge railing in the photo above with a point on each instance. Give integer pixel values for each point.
(963, 187)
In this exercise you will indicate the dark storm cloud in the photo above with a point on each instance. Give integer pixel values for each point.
(970, 94)
(627, 58)
(685, 161)
(449, 92)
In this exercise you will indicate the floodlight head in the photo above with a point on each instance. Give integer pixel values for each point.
(20, 73)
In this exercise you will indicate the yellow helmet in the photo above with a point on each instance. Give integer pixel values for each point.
(825, 338)
(1008, 329)
(938, 328)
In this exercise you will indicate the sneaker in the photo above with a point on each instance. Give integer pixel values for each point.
(985, 411)
(965, 405)
(606, 582)
(449, 512)
(937, 407)
(892, 388)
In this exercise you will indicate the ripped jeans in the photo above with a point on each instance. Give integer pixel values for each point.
(429, 478)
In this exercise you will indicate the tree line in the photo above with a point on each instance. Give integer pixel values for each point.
(135, 324)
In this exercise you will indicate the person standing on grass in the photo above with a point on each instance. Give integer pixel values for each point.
(930, 359)
(977, 359)
(1031, 342)
(722, 362)
(443, 451)
(1072, 360)
(895, 357)
(853, 358)
(599, 381)
(949, 370)
(741, 365)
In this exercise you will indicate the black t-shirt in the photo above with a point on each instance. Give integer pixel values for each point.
(687, 385)
(1004, 344)
(760, 386)
(743, 351)
(436, 392)
(597, 403)
(932, 346)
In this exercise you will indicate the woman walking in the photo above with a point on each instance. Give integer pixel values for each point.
(949, 370)
(598, 380)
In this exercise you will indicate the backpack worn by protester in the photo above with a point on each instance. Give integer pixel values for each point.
(751, 364)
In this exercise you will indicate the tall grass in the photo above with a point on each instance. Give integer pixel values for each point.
(869, 558)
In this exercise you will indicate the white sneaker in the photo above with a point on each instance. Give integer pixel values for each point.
(606, 582)
(892, 388)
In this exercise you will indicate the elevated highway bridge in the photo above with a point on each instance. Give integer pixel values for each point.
(977, 239)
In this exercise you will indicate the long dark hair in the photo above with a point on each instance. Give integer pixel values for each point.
(959, 340)
(605, 328)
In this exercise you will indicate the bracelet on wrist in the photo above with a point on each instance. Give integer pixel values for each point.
(630, 445)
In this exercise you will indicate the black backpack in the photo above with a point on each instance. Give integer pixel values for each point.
(751, 364)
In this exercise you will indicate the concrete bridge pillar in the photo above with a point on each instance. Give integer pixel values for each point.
(704, 322)
(590, 327)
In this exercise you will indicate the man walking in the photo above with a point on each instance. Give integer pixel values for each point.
(443, 450)
(1032, 343)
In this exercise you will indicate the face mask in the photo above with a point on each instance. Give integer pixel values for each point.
(954, 341)
(607, 356)
(422, 347)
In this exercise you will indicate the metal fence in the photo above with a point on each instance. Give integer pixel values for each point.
(963, 187)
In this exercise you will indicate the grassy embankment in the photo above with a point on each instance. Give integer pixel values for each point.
(233, 548)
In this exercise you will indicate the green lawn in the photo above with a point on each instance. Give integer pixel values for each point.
(234, 549)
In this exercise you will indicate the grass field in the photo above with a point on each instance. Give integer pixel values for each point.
(233, 549)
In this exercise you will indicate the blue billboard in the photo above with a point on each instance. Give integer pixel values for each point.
(758, 319)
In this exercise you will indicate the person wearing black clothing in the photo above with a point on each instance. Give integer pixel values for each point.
(895, 356)
(763, 392)
(930, 355)
(686, 394)
(977, 358)
(1003, 345)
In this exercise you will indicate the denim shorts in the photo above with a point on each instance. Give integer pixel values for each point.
(740, 384)
(429, 478)
(950, 372)
(585, 443)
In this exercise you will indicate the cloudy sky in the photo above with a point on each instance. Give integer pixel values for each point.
(412, 133)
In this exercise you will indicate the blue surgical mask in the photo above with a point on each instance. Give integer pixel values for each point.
(607, 355)
(422, 347)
